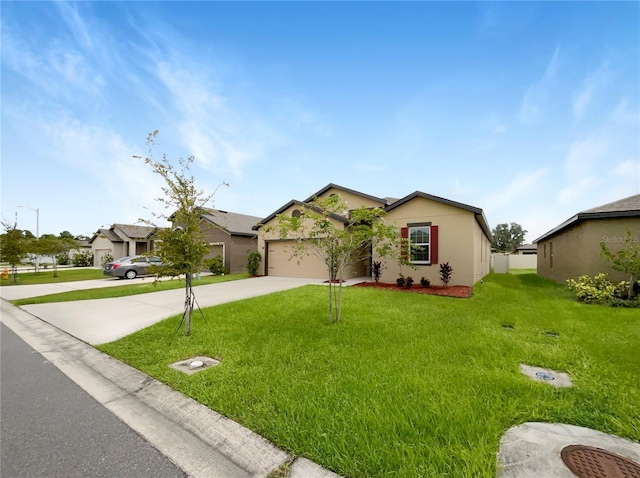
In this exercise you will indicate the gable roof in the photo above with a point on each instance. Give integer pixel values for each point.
(294, 202)
(134, 232)
(626, 207)
(232, 222)
(477, 212)
(347, 190)
(125, 233)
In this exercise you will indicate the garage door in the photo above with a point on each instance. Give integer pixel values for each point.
(280, 263)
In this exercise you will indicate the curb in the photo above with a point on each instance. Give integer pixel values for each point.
(200, 441)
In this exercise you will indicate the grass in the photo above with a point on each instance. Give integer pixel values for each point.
(125, 290)
(407, 384)
(45, 276)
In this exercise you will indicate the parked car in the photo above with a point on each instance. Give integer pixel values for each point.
(131, 266)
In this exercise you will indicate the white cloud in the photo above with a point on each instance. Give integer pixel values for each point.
(583, 155)
(537, 94)
(584, 96)
(516, 191)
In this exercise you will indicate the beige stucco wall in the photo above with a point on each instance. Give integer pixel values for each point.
(296, 268)
(461, 242)
(354, 201)
(576, 251)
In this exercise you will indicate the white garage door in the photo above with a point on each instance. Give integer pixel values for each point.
(280, 263)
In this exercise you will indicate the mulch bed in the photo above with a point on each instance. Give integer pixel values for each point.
(460, 291)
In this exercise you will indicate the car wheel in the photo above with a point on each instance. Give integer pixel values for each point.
(131, 274)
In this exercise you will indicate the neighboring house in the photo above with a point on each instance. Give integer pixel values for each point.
(231, 236)
(526, 249)
(445, 230)
(572, 248)
(121, 240)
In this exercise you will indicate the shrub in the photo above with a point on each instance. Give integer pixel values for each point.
(445, 273)
(216, 265)
(408, 282)
(598, 290)
(83, 259)
(253, 262)
(425, 282)
(108, 257)
(62, 259)
(376, 270)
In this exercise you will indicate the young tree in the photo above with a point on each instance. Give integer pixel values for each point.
(339, 239)
(49, 245)
(507, 238)
(626, 260)
(13, 246)
(181, 248)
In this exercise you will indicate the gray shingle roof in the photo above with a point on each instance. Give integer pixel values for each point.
(134, 232)
(626, 207)
(233, 223)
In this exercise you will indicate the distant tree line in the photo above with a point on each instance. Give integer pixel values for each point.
(16, 245)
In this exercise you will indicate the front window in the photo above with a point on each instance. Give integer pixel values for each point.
(420, 244)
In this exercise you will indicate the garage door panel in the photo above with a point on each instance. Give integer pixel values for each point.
(280, 262)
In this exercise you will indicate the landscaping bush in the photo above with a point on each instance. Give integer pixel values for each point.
(216, 265)
(108, 257)
(83, 259)
(598, 290)
(253, 263)
(445, 273)
(376, 270)
(63, 259)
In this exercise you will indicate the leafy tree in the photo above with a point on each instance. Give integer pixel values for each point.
(13, 246)
(626, 260)
(49, 245)
(339, 241)
(508, 237)
(66, 235)
(182, 248)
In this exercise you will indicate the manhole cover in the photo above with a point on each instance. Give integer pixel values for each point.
(592, 462)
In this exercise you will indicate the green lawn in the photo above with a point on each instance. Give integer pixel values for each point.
(126, 289)
(406, 385)
(45, 276)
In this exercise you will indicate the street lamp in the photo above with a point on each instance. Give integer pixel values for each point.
(37, 211)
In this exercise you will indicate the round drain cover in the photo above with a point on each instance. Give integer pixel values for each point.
(592, 462)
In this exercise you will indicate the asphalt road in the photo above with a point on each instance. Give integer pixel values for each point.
(50, 427)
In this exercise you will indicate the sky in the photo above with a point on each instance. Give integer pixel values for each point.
(530, 111)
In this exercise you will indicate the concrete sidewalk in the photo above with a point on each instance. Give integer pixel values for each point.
(200, 441)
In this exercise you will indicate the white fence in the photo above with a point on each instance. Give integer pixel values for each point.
(503, 263)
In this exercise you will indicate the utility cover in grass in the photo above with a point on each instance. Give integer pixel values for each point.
(194, 364)
(548, 376)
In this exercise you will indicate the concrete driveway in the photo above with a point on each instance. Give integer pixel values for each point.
(105, 320)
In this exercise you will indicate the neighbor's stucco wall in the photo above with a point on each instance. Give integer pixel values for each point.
(576, 251)
(236, 248)
(459, 243)
(101, 246)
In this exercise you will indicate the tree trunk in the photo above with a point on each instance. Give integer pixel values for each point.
(188, 305)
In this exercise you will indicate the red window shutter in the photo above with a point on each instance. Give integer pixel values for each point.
(434, 244)
(404, 234)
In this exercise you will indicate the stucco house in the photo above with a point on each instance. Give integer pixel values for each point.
(229, 235)
(572, 248)
(121, 240)
(526, 249)
(445, 231)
